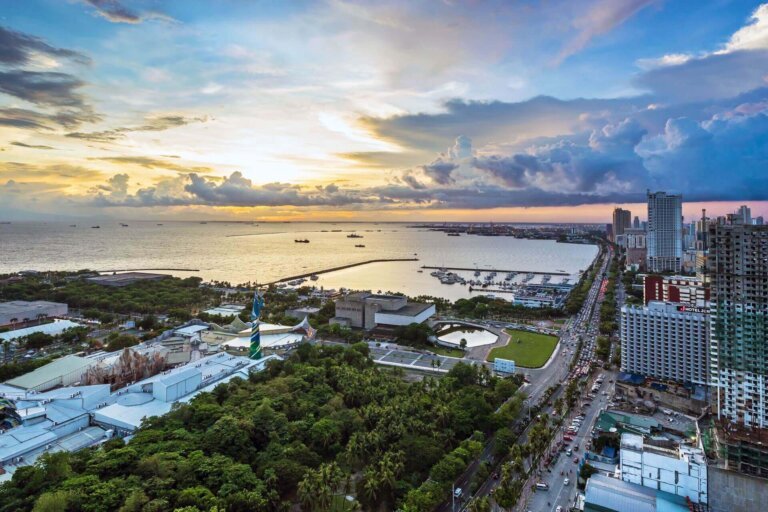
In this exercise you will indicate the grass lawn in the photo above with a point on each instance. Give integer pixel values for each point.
(446, 351)
(526, 349)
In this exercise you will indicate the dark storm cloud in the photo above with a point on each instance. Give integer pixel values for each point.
(45, 88)
(488, 121)
(18, 49)
(440, 171)
(152, 124)
(410, 180)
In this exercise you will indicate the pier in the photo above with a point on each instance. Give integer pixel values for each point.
(149, 270)
(334, 269)
(498, 270)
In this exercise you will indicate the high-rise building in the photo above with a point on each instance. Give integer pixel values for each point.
(635, 248)
(622, 219)
(665, 232)
(738, 267)
(666, 341)
(636, 222)
(744, 214)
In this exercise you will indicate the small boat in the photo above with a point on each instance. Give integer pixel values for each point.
(359, 245)
(299, 241)
(124, 225)
(420, 271)
(203, 223)
(159, 224)
(73, 225)
(95, 227)
(454, 234)
(314, 277)
(354, 235)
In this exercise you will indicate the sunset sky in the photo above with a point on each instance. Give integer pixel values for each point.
(434, 110)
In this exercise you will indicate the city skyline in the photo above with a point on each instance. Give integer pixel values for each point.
(388, 111)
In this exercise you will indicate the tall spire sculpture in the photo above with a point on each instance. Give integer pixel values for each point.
(258, 303)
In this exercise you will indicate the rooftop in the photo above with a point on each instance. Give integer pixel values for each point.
(52, 328)
(615, 494)
(410, 309)
(53, 370)
(23, 306)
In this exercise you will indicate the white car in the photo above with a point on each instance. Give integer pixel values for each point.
(566, 481)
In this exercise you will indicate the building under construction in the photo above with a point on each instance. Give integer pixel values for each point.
(738, 268)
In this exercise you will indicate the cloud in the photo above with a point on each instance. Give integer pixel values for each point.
(410, 180)
(234, 190)
(152, 124)
(23, 118)
(494, 121)
(735, 68)
(62, 174)
(45, 88)
(715, 76)
(672, 59)
(724, 158)
(116, 12)
(30, 146)
(440, 171)
(18, 49)
(152, 163)
(602, 17)
(752, 36)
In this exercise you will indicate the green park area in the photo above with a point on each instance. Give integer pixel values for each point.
(526, 349)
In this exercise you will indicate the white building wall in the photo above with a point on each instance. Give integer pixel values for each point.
(680, 475)
(384, 318)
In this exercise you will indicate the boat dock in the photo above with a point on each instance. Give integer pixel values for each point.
(334, 269)
(498, 270)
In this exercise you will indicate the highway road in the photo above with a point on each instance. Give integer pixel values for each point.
(584, 327)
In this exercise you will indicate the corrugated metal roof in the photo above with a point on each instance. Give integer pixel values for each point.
(615, 494)
(52, 328)
(53, 370)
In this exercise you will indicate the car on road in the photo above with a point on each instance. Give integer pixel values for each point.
(542, 486)
(457, 492)
(566, 481)
(569, 452)
(575, 460)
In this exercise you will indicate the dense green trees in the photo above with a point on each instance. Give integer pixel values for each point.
(323, 423)
(141, 297)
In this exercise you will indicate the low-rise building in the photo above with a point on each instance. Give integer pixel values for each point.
(22, 311)
(302, 312)
(156, 395)
(679, 470)
(606, 494)
(75, 417)
(64, 371)
(366, 310)
(668, 341)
